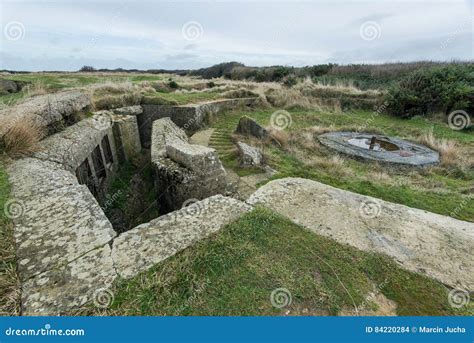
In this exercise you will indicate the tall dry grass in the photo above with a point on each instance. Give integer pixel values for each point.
(21, 135)
(450, 152)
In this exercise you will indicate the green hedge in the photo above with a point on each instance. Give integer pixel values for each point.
(434, 90)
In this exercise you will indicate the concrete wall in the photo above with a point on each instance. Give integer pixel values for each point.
(76, 144)
(183, 172)
(127, 136)
(191, 118)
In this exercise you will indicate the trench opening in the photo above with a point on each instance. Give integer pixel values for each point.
(123, 184)
(131, 198)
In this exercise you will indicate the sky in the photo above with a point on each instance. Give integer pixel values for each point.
(188, 34)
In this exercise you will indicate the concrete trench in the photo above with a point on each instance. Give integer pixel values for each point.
(69, 253)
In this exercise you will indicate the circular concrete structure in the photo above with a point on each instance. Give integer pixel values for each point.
(380, 148)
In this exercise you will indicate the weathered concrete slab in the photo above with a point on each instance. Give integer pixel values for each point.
(58, 227)
(126, 135)
(75, 143)
(165, 132)
(250, 156)
(60, 290)
(249, 127)
(420, 241)
(147, 244)
(128, 110)
(48, 109)
(195, 157)
(183, 171)
(30, 177)
(190, 118)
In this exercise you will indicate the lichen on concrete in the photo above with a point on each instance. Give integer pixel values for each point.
(48, 110)
(59, 290)
(57, 227)
(147, 244)
(424, 242)
(183, 171)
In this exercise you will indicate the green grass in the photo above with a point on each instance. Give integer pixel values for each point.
(9, 293)
(60, 81)
(235, 271)
(136, 208)
(437, 189)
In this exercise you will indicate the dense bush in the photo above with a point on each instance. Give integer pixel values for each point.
(439, 89)
(173, 84)
(362, 76)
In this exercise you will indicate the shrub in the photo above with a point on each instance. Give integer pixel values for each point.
(161, 87)
(438, 89)
(173, 84)
(290, 81)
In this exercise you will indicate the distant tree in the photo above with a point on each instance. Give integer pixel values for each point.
(87, 69)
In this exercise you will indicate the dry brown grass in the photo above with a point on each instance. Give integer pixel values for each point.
(106, 102)
(113, 87)
(21, 136)
(9, 291)
(35, 88)
(280, 136)
(288, 99)
(239, 93)
(9, 282)
(450, 152)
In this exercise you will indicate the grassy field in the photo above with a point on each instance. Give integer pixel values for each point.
(114, 89)
(446, 189)
(42, 83)
(235, 271)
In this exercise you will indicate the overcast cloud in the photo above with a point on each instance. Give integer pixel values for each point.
(65, 35)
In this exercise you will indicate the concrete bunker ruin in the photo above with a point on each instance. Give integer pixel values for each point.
(68, 253)
(67, 248)
(380, 148)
